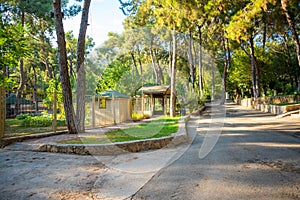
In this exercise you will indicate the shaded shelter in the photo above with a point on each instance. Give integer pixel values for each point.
(25, 104)
(157, 97)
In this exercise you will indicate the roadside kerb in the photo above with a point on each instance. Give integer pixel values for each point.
(178, 138)
(9, 140)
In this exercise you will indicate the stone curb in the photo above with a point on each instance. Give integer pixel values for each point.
(9, 140)
(178, 138)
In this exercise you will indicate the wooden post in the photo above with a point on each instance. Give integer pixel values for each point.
(143, 109)
(165, 104)
(113, 108)
(2, 112)
(54, 123)
(93, 111)
(130, 107)
(152, 105)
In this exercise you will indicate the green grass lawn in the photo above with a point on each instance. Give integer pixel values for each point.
(163, 126)
(13, 127)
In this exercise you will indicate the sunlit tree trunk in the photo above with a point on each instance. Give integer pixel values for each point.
(225, 58)
(140, 62)
(200, 62)
(80, 68)
(173, 77)
(155, 74)
(213, 79)
(64, 73)
(191, 60)
(291, 22)
(254, 70)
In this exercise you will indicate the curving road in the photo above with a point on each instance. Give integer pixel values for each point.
(247, 155)
(257, 156)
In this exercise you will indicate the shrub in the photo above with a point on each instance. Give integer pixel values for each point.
(37, 121)
(61, 122)
(137, 116)
(22, 116)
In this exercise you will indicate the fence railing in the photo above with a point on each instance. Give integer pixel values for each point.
(26, 113)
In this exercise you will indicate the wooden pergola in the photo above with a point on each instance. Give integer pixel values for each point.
(159, 98)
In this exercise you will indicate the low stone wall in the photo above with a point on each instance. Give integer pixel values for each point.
(272, 100)
(177, 138)
(107, 149)
(277, 109)
(6, 141)
(263, 104)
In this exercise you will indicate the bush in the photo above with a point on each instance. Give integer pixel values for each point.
(61, 122)
(22, 116)
(137, 116)
(37, 121)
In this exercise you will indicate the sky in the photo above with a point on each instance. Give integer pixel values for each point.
(104, 16)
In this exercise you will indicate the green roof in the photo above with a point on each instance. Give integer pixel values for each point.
(113, 93)
(12, 100)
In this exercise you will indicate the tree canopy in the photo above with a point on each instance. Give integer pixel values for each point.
(252, 45)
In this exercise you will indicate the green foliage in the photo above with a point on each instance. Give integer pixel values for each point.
(61, 122)
(29, 120)
(240, 72)
(13, 46)
(23, 116)
(112, 74)
(137, 116)
(37, 121)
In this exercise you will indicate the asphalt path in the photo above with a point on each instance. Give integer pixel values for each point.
(257, 156)
(233, 153)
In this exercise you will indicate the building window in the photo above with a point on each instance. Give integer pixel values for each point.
(102, 102)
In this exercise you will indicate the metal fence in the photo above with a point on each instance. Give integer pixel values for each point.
(17, 105)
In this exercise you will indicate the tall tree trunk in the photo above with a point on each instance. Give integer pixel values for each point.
(80, 69)
(291, 22)
(140, 62)
(159, 70)
(22, 74)
(290, 61)
(254, 70)
(213, 79)
(170, 56)
(155, 74)
(49, 70)
(191, 60)
(35, 100)
(225, 58)
(200, 62)
(173, 77)
(63, 64)
(134, 64)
